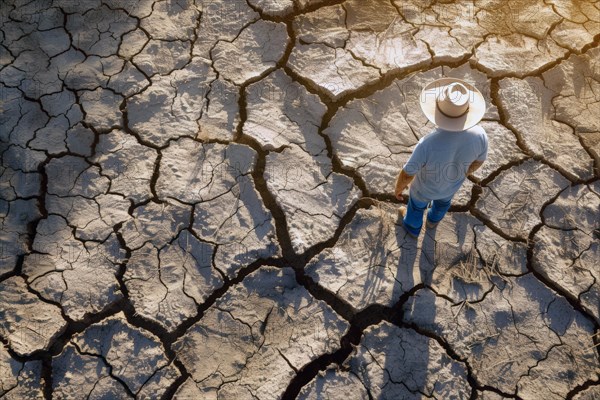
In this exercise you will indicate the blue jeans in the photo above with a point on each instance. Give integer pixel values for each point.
(413, 221)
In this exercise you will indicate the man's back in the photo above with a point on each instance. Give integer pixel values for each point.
(441, 160)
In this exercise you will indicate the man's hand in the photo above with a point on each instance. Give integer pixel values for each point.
(402, 182)
(399, 194)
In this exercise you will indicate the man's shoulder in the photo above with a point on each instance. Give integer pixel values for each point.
(478, 130)
(435, 132)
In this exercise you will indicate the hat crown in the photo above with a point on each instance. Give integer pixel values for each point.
(453, 100)
(452, 104)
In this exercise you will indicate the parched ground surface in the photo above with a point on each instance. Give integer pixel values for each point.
(196, 201)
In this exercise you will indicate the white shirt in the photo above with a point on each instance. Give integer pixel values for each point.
(441, 159)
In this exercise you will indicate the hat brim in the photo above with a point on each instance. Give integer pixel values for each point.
(474, 114)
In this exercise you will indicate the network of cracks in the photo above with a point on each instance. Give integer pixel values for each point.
(196, 201)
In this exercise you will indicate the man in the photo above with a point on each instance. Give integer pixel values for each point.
(442, 159)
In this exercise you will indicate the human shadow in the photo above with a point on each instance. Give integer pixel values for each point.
(407, 358)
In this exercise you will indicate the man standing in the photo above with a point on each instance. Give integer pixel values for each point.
(442, 159)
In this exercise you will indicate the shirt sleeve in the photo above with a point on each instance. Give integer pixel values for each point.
(483, 155)
(417, 159)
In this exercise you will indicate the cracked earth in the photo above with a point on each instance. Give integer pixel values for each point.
(196, 201)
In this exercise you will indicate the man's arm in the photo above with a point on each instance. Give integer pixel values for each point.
(474, 166)
(482, 155)
(415, 162)
(402, 182)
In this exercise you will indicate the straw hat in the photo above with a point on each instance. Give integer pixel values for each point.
(452, 104)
